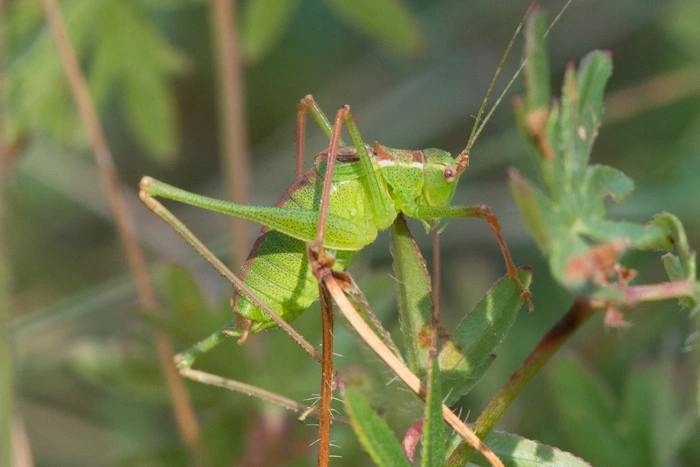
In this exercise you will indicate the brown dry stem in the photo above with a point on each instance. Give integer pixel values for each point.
(184, 413)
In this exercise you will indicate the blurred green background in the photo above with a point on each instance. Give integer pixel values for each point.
(89, 391)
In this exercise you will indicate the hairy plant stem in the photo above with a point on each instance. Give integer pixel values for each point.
(337, 291)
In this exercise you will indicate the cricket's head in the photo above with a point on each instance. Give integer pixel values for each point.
(430, 174)
(440, 175)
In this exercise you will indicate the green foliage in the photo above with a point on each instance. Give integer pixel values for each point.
(466, 356)
(569, 221)
(263, 23)
(433, 453)
(83, 363)
(414, 295)
(390, 22)
(647, 427)
(516, 451)
(375, 435)
(125, 56)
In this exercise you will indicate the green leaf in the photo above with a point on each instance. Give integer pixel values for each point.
(594, 71)
(183, 293)
(129, 53)
(128, 59)
(586, 410)
(516, 451)
(415, 298)
(263, 22)
(602, 181)
(467, 355)
(433, 454)
(537, 66)
(374, 434)
(569, 221)
(535, 208)
(389, 21)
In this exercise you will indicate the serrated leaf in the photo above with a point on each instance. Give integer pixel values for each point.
(414, 296)
(433, 454)
(516, 451)
(467, 355)
(389, 21)
(263, 22)
(373, 432)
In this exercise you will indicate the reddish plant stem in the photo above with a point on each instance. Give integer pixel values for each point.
(324, 415)
(634, 294)
(184, 413)
(232, 117)
(577, 315)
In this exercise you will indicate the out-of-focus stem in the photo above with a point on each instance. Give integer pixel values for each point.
(233, 133)
(657, 91)
(7, 380)
(184, 413)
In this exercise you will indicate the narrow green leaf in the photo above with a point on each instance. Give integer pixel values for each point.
(537, 66)
(467, 355)
(594, 71)
(568, 130)
(389, 21)
(414, 297)
(516, 451)
(374, 434)
(535, 208)
(263, 22)
(434, 429)
(131, 55)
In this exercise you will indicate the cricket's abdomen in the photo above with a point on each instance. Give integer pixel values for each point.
(277, 269)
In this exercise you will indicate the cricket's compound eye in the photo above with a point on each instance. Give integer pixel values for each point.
(450, 174)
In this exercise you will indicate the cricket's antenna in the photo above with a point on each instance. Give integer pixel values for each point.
(463, 157)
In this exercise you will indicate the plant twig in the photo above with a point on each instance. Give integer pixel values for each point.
(184, 413)
(232, 117)
(325, 415)
(577, 315)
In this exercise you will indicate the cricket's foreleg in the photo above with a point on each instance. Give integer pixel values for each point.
(481, 212)
(308, 104)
